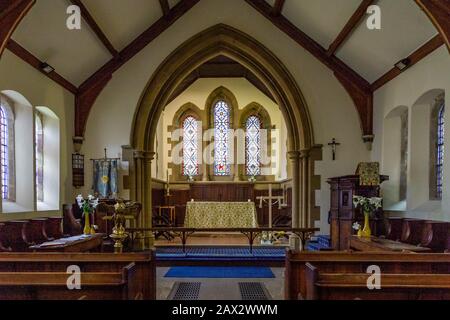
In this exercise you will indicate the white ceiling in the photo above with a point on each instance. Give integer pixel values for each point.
(123, 21)
(78, 54)
(404, 28)
(74, 53)
(322, 20)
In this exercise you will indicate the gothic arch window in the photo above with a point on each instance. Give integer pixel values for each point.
(252, 146)
(190, 146)
(7, 151)
(4, 152)
(440, 151)
(39, 156)
(221, 116)
(437, 128)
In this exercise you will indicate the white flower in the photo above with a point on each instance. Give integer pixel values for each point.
(356, 226)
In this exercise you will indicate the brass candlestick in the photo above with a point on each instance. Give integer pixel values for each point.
(119, 234)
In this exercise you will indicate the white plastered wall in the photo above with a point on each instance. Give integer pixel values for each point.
(16, 76)
(413, 89)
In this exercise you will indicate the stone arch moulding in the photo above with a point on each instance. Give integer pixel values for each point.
(225, 40)
(254, 108)
(224, 94)
(222, 40)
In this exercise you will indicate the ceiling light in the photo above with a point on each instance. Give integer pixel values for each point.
(46, 67)
(403, 64)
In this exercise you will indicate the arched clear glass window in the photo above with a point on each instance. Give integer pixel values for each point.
(39, 149)
(440, 151)
(221, 113)
(253, 146)
(4, 152)
(190, 146)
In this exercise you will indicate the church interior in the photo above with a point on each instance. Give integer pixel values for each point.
(224, 150)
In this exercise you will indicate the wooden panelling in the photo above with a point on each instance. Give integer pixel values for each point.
(233, 192)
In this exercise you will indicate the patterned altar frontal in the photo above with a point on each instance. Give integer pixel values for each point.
(220, 215)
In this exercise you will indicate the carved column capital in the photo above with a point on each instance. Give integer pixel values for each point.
(368, 140)
(305, 153)
(138, 154)
(150, 156)
(77, 143)
(294, 156)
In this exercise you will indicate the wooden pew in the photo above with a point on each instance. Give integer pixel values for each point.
(358, 262)
(353, 286)
(53, 286)
(143, 271)
(412, 231)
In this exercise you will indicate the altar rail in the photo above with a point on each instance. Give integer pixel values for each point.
(251, 233)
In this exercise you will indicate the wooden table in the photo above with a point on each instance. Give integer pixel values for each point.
(72, 244)
(375, 244)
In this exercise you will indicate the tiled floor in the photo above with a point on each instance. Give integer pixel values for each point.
(221, 289)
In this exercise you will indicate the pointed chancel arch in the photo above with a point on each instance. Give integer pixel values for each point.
(234, 44)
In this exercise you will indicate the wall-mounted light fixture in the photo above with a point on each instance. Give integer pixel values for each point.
(46, 67)
(403, 64)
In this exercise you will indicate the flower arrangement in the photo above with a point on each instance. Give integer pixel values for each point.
(88, 206)
(369, 206)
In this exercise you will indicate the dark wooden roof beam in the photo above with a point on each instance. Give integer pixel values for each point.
(165, 7)
(412, 59)
(278, 7)
(350, 26)
(95, 27)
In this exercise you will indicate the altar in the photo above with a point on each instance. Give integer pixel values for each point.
(220, 215)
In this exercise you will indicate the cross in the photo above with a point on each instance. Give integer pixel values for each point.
(272, 200)
(333, 144)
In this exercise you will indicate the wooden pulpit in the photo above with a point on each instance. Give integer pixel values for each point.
(342, 211)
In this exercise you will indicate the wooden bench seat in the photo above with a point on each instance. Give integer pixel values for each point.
(53, 286)
(351, 286)
(23, 267)
(357, 263)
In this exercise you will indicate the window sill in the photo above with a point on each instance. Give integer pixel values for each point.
(42, 206)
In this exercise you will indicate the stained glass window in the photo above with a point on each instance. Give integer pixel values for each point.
(4, 137)
(440, 152)
(39, 146)
(221, 114)
(190, 146)
(252, 146)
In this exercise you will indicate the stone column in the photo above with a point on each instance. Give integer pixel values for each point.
(147, 204)
(138, 191)
(294, 157)
(304, 209)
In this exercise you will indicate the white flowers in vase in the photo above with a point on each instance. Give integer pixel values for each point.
(88, 205)
(368, 205)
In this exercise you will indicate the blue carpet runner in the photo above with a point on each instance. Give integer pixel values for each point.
(220, 272)
(319, 243)
(220, 253)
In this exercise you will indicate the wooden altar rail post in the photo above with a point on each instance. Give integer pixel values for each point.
(251, 233)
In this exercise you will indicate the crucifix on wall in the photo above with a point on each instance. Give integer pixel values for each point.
(334, 144)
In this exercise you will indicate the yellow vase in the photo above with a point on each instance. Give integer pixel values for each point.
(87, 225)
(366, 232)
